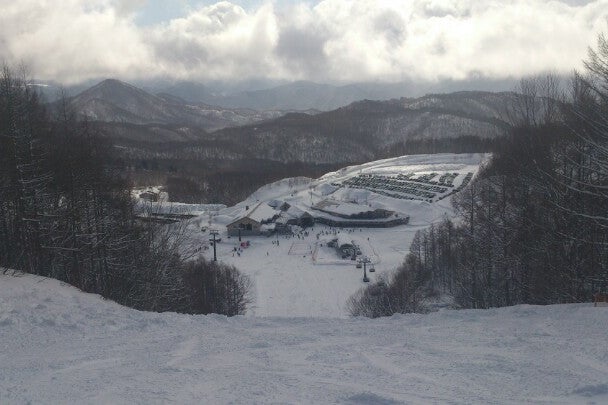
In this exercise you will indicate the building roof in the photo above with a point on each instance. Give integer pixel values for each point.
(240, 219)
(294, 212)
(260, 213)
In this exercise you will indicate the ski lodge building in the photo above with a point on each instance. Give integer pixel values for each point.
(269, 217)
(276, 216)
(251, 224)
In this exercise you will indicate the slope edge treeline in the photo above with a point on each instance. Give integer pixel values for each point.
(532, 227)
(65, 213)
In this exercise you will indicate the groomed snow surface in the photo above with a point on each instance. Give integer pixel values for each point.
(59, 345)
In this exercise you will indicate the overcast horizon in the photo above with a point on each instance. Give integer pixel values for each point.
(330, 41)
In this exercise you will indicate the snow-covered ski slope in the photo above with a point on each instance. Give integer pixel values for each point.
(59, 345)
(315, 281)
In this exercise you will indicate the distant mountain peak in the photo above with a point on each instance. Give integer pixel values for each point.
(110, 88)
(113, 100)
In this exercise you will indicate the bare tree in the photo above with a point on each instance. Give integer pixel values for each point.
(217, 288)
(23, 179)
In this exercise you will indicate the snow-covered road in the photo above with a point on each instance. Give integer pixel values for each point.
(58, 345)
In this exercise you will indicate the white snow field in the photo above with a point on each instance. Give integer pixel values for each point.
(299, 277)
(59, 345)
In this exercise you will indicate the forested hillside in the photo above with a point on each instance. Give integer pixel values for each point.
(301, 144)
(66, 213)
(532, 226)
(115, 101)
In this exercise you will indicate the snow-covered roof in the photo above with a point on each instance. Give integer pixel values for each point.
(262, 212)
(294, 212)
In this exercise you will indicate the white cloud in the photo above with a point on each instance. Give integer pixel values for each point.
(217, 41)
(333, 40)
(72, 40)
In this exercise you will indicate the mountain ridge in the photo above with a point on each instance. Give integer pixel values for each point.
(360, 131)
(112, 100)
(303, 94)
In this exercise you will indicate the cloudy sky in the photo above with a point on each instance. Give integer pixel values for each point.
(323, 41)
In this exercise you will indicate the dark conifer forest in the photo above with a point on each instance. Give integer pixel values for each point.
(66, 213)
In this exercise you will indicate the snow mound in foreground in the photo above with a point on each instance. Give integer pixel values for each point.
(60, 345)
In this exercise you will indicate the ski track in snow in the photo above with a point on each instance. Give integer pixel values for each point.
(59, 345)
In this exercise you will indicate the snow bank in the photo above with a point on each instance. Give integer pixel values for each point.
(62, 346)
